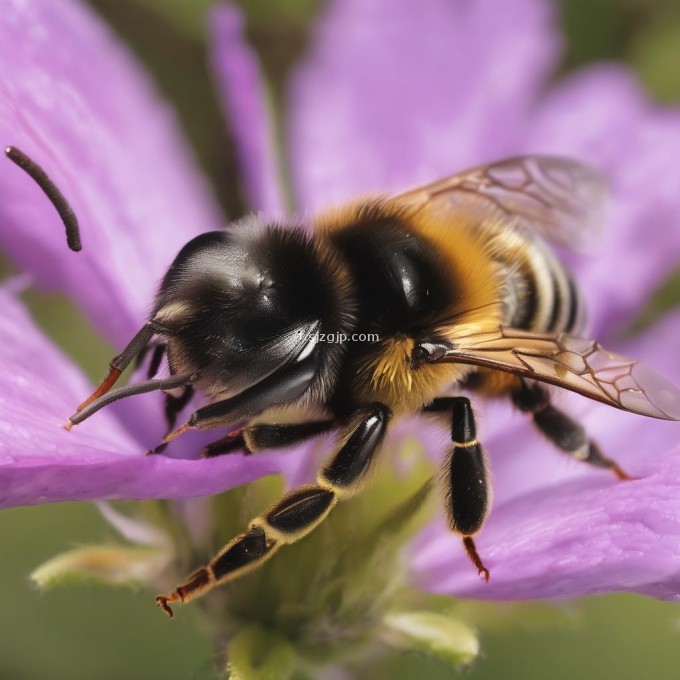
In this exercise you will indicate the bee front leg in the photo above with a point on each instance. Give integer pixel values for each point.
(297, 513)
(255, 438)
(281, 388)
(560, 429)
(159, 350)
(173, 407)
(120, 362)
(173, 404)
(468, 498)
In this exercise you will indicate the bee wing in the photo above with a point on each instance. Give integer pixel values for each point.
(576, 364)
(563, 199)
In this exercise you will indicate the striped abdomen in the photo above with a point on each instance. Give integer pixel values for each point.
(540, 294)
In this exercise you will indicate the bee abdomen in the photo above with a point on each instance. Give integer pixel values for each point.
(541, 294)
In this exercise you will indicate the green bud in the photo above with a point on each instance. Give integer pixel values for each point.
(434, 634)
(108, 565)
(258, 654)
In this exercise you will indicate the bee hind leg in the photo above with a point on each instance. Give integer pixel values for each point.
(298, 513)
(562, 430)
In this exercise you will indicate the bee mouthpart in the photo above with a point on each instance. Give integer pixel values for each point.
(108, 381)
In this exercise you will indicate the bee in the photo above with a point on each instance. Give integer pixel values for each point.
(460, 293)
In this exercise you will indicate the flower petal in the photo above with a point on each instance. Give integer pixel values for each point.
(601, 115)
(41, 463)
(72, 98)
(241, 86)
(581, 538)
(394, 92)
(559, 528)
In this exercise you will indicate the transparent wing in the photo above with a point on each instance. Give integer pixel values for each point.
(563, 199)
(576, 364)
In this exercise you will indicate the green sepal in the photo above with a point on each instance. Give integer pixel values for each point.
(437, 635)
(255, 653)
(401, 520)
(106, 565)
(330, 591)
(665, 298)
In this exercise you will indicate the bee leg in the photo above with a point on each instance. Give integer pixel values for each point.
(173, 407)
(281, 388)
(297, 513)
(173, 404)
(466, 473)
(560, 429)
(255, 438)
(440, 405)
(159, 350)
(120, 362)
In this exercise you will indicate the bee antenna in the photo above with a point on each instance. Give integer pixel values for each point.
(41, 178)
(129, 391)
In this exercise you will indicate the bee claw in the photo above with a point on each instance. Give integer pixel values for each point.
(162, 602)
(622, 475)
(173, 435)
(167, 439)
(471, 550)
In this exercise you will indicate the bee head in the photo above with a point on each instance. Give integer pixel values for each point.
(238, 305)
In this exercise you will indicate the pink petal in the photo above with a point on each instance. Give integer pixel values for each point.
(394, 92)
(582, 537)
(240, 84)
(41, 463)
(73, 99)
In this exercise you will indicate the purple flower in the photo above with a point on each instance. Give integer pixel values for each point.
(391, 93)
(73, 99)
